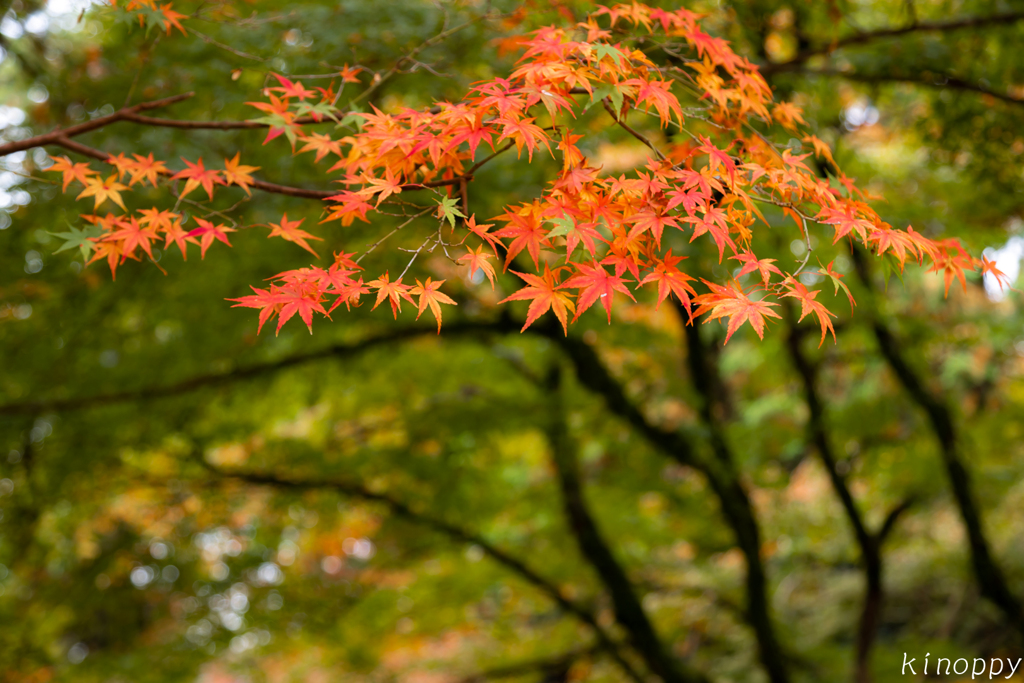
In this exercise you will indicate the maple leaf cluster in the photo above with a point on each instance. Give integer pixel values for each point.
(589, 235)
(117, 238)
(152, 13)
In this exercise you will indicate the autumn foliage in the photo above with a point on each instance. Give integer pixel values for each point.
(589, 238)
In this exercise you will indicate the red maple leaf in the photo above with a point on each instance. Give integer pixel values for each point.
(528, 233)
(268, 301)
(132, 236)
(671, 280)
(751, 263)
(304, 303)
(543, 295)
(595, 283)
(845, 220)
(650, 220)
(291, 89)
(209, 232)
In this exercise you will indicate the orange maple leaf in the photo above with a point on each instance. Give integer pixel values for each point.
(430, 296)
(321, 144)
(788, 114)
(383, 187)
(731, 302)
(348, 74)
(543, 294)
(394, 292)
(671, 280)
(171, 18)
(178, 235)
(481, 232)
(197, 175)
(989, 268)
(477, 260)
(102, 190)
(808, 305)
(79, 171)
(289, 230)
(236, 173)
(146, 169)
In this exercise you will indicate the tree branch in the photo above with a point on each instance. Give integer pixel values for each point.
(261, 184)
(401, 509)
(890, 519)
(942, 82)
(549, 666)
(628, 610)
(881, 34)
(870, 544)
(346, 350)
(991, 580)
(735, 501)
(212, 125)
(95, 124)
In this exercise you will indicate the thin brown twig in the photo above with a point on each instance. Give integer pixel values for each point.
(382, 239)
(412, 53)
(951, 82)
(626, 127)
(211, 41)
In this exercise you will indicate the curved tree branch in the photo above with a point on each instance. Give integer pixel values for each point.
(941, 82)
(870, 544)
(735, 501)
(85, 150)
(345, 350)
(865, 37)
(590, 371)
(401, 509)
(991, 580)
(95, 124)
(550, 667)
(628, 610)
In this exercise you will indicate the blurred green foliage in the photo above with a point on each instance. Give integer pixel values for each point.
(124, 557)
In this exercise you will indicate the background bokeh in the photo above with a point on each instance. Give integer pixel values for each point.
(385, 470)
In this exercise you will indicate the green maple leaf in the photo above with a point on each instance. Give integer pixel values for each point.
(351, 118)
(320, 109)
(449, 208)
(604, 50)
(278, 121)
(563, 226)
(78, 238)
(606, 90)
